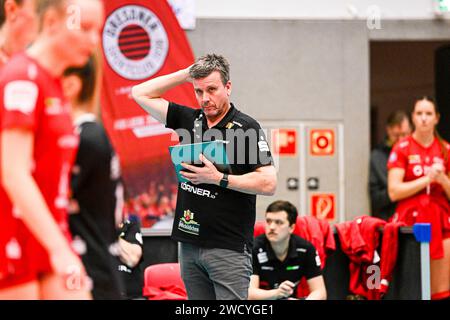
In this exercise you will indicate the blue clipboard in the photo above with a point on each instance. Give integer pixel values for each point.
(214, 151)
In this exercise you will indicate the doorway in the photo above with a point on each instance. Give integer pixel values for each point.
(402, 70)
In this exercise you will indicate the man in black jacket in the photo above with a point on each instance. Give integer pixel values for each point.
(398, 126)
(215, 211)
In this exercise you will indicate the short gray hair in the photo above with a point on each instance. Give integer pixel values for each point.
(209, 63)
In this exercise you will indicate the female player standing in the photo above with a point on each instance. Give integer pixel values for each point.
(418, 179)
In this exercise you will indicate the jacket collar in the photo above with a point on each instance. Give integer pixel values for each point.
(231, 113)
(292, 252)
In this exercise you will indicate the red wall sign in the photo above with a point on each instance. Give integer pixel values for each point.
(322, 142)
(323, 206)
(284, 142)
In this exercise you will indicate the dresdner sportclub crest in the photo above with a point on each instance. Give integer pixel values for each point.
(135, 42)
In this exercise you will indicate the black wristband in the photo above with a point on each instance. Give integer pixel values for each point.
(224, 181)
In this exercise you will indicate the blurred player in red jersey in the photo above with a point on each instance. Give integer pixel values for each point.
(18, 26)
(37, 149)
(419, 170)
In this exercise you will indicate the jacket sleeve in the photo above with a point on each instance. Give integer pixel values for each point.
(377, 184)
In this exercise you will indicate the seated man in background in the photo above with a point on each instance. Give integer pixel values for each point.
(281, 259)
(398, 126)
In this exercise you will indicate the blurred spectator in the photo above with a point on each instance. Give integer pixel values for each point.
(97, 193)
(165, 207)
(398, 126)
(156, 204)
(131, 259)
(18, 26)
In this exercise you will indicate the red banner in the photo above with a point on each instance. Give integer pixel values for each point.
(141, 40)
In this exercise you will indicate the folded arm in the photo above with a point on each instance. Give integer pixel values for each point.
(398, 189)
(444, 180)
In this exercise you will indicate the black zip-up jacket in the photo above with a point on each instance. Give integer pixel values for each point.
(381, 205)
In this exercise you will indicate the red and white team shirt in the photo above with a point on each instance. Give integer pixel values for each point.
(430, 205)
(31, 99)
(417, 160)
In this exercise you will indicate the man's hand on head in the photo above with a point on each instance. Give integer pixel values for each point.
(188, 77)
